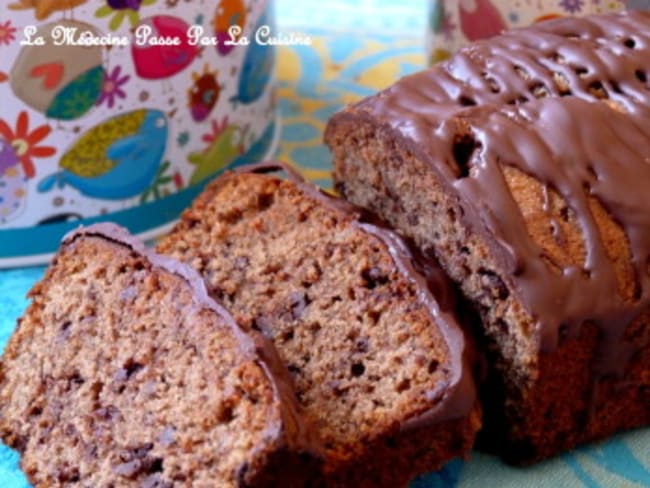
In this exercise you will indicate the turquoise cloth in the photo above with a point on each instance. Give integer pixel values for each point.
(360, 46)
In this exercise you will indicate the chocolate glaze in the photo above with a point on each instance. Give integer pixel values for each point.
(609, 52)
(456, 397)
(254, 346)
(568, 139)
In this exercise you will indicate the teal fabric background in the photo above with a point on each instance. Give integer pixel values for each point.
(359, 47)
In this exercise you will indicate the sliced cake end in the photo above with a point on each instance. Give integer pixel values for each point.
(123, 372)
(379, 365)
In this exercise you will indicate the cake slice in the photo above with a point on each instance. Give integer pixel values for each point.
(522, 165)
(379, 362)
(123, 372)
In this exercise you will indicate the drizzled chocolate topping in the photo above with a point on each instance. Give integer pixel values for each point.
(456, 397)
(582, 150)
(568, 103)
(587, 57)
(255, 347)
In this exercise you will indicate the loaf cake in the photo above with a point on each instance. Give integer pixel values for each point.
(378, 360)
(123, 372)
(521, 164)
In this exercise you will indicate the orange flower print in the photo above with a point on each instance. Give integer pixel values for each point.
(25, 142)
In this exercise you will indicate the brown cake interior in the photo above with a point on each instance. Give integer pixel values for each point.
(118, 376)
(361, 346)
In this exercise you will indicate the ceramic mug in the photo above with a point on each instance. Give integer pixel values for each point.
(122, 110)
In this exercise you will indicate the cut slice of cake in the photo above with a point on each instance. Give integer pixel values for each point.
(522, 165)
(123, 372)
(367, 331)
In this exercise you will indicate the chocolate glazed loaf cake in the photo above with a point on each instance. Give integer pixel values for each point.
(123, 372)
(379, 364)
(522, 164)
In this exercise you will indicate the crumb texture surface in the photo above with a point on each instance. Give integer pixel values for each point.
(118, 376)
